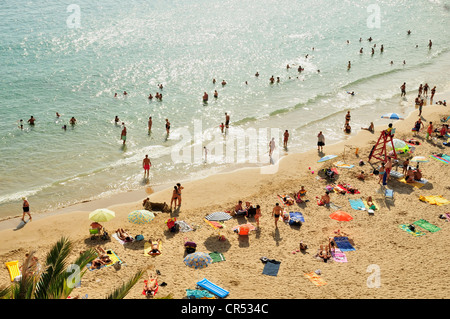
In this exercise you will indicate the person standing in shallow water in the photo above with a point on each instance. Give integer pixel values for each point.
(123, 135)
(320, 141)
(146, 164)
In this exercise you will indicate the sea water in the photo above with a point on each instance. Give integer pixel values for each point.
(71, 57)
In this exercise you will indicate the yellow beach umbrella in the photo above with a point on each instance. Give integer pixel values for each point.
(102, 215)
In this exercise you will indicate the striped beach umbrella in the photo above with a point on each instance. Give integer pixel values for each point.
(140, 217)
(197, 260)
(102, 215)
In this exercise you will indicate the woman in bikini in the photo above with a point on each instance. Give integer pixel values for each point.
(151, 285)
(179, 188)
(174, 196)
(155, 247)
(167, 126)
(381, 173)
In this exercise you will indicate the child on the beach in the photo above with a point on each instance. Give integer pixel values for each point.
(257, 215)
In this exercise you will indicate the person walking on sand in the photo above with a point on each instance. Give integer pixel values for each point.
(320, 141)
(403, 89)
(174, 197)
(257, 215)
(381, 173)
(146, 164)
(150, 123)
(123, 135)
(26, 209)
(286, 138)
(276, 212)
(429, 130)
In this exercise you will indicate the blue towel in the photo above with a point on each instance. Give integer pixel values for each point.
(271, 268)
(343, 244)
(296, 217)
(357, 204)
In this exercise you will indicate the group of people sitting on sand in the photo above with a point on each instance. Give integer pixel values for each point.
(102, 259)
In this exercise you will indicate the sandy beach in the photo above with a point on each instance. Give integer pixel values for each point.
(410, 267)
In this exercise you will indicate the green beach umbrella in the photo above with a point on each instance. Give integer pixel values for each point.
(140, 217)
(102, 215)
(400, 145)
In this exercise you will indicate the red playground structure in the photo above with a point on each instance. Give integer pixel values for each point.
(379, 151)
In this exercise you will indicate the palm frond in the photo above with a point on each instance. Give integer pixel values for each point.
(5, 292)
(51, 282)
(85, 258)
(24, 288)
(121, 292)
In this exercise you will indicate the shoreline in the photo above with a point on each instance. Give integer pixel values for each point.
(136, 195)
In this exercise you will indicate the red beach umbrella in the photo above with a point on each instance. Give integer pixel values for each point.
(341, 216)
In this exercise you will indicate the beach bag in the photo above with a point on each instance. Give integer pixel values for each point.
(139, 237)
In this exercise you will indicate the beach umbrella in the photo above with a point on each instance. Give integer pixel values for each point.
(400, 145)
(341, 216)
(102, 215)
(197, 260)
(218, 216)
(140, 216)
(420, 159)
(392, 116)
(326, 158)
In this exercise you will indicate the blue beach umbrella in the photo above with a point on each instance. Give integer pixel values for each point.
(140, 217)
(392, 116)
(326, 158)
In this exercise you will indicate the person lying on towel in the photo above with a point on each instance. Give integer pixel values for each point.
(123, 235)
(155, 247)
(151, 285)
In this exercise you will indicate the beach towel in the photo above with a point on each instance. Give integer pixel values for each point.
(417, 184)
(342, 187)
(218, 216)
(282, 201)
(250, 227)
(214, 224)
(343, 165)
(367, 205)
(148, 248)
(217, 257)
(426, 225)
(199, 294)
(185, 227)
(315, 279)
(441, 159)
(271, 267)
(112, 255)
(343, 244)
(296, 218)
(447, 215)
(417, 233)
(13, 269)
(338, 256)
(434, 200)
(357, 204)
(116, 237)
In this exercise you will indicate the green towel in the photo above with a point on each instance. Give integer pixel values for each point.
(216, 257)
(426, 225)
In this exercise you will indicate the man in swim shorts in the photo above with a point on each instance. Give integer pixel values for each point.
(146, 163)
(123, 135)
(227, 120)
(167, 126)
(277, 211)
(286, 138)
(26, 209)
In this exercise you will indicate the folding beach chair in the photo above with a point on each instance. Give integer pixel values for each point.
(389, 194)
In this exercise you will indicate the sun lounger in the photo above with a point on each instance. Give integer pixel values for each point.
(343, 244)
(315, 279)
(426, 225)
(417, 233)
(357, 204)
(213, 288)
(14, 270)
